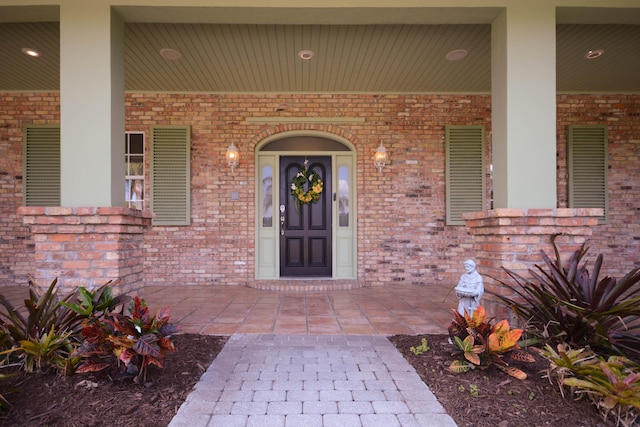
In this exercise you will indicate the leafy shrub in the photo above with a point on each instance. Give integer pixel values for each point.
(52, 349)
(43, 338)
(483, 345)
(94, 304)
(52, 332)
(126, 344)
(612, 385)
(571, 304)
(44, 332)
(43, 310)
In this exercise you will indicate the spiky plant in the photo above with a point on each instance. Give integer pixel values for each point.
(42, 310)
(569, 303)
(40, 332)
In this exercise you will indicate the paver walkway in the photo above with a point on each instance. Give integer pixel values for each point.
(308, 381)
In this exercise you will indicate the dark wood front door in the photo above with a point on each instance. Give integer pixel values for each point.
(305, 232)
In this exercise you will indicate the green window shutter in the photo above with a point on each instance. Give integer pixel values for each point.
(171, 175)
(465, 172)
(41, 165)
(587, 167)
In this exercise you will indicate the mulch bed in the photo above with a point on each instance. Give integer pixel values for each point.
(501, 401)
(53, 400)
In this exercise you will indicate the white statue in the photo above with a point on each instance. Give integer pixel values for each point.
(469, 289)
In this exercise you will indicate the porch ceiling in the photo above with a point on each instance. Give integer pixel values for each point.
(356, 50)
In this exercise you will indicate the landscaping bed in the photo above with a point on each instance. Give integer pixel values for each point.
(490, 398)
(478, 398)
(84, 400)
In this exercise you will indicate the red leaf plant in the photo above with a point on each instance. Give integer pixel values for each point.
(125, 345)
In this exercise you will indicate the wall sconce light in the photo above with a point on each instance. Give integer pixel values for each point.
(381, 157)
(233, 157)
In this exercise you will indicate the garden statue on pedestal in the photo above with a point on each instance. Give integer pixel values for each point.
(469, 289)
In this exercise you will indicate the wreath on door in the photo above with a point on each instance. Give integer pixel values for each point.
(306, 178)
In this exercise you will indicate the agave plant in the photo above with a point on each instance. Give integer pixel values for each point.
(571, 304)
(483, 344)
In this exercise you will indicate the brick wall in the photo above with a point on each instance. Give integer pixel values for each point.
(402, 236)
(619, 240)
(16, 244)
(513, 238)
(88, 246)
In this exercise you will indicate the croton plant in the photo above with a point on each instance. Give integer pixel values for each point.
(483, 344)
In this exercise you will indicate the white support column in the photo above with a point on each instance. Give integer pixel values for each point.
(91, 104)
(523, 86)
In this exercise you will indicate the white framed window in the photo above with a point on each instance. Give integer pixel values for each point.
(134, 167)
(170, 173)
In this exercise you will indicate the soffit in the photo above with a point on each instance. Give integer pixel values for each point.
(370, 52)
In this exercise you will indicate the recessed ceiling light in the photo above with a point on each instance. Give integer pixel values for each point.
(305, 54)
(170, 54)
(31, 52)
(593, 54)
(456, 55)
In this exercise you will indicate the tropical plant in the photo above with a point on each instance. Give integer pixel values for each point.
(483, 344)
(5, 337)
(563, 363)
(127, 344)
(612, 385)
(92, 304)
(41, 332)
(568, 303)
(50, 350)
(43, 310)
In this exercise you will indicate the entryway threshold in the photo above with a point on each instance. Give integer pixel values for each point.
(306, 284)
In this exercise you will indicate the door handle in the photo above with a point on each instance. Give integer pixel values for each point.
(282, 209)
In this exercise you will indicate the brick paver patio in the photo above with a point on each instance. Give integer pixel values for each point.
(228, 310)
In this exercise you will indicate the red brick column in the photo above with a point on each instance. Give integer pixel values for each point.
(513, 238)
(88, 246)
